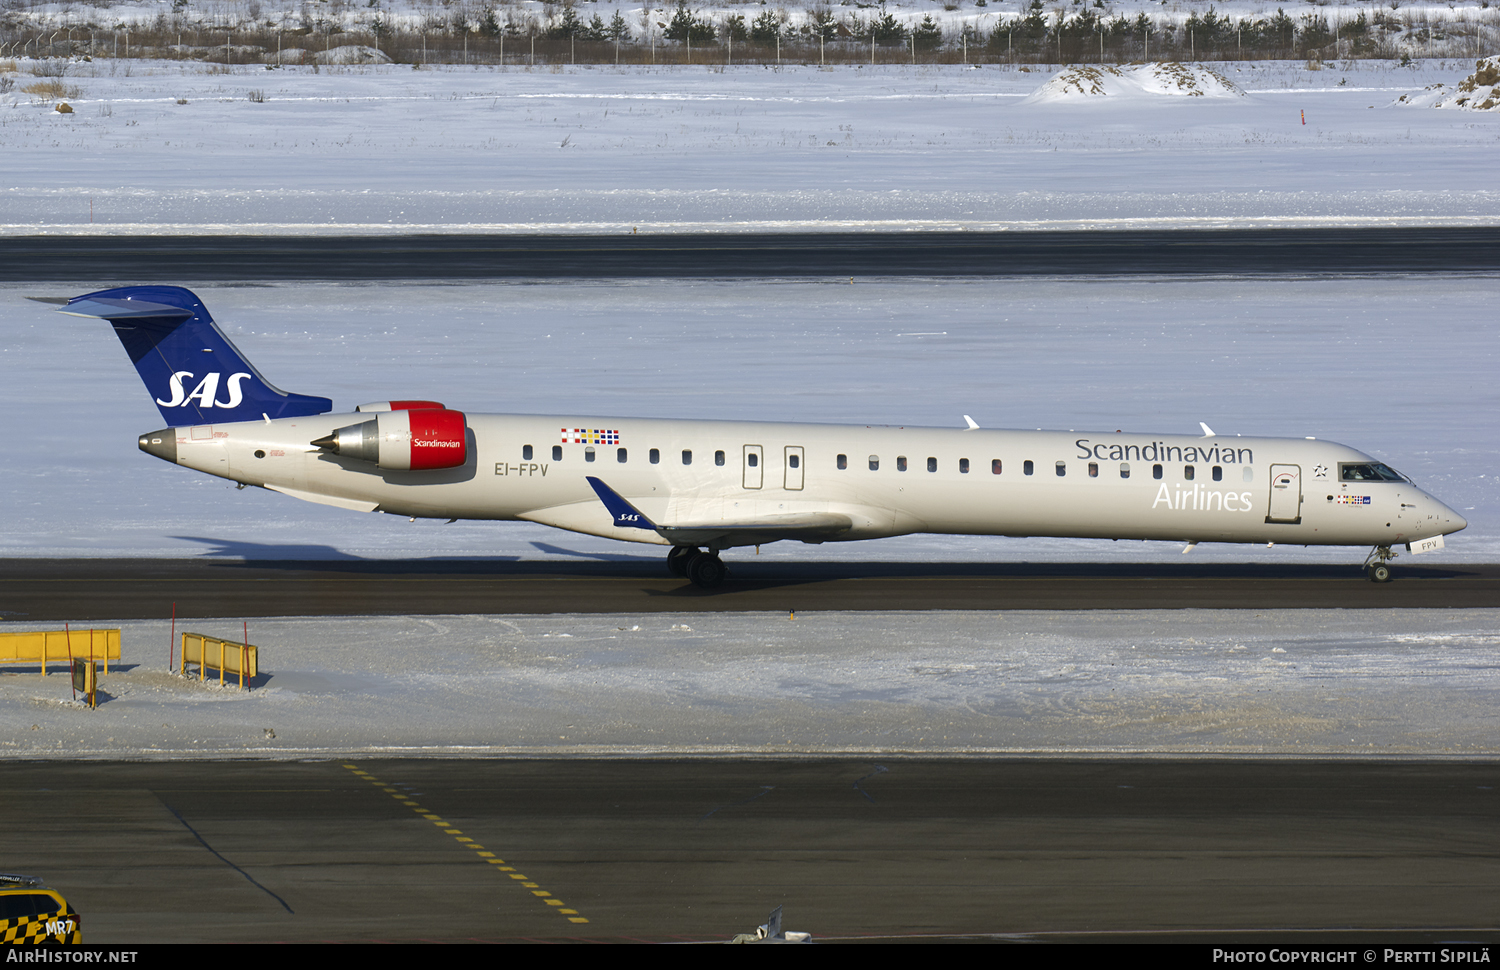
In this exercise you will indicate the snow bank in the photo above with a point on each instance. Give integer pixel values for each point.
(1479, 91)
(1303, 683)
(1162, 79)
(351, 54)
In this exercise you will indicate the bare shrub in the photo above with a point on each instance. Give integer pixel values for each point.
(49, 67)
(52, 90)
(258, 96)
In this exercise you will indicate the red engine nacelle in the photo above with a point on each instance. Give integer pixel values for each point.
(419, 440)
(434, 439)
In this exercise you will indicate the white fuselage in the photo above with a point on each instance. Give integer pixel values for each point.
(889, 481)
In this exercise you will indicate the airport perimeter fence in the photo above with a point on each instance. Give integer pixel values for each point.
(1033, 40)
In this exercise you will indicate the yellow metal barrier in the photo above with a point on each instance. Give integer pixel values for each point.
(227, 655)
(60, 645)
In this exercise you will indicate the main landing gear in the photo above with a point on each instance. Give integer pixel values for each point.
(1376, 564)
(704, 569)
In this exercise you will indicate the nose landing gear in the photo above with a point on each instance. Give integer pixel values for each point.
(1377, 564)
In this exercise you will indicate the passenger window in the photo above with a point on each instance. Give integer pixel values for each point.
(525, 452)
(1218, 474)
(843, 462)
(994, 466)
(900, 463)
(655, 456)
(932, 464)
(620, 455)
(963, 466)
(1027, 467)
(874, 463)
(588, 453)
(1156, 471)
(1124, 469)
(1187, 472)
(1062, 469)
(687, 456)
(1093, 469)
(752, 459)
(557, 452)
(718, 458)
(1247, 474)
(794, 461)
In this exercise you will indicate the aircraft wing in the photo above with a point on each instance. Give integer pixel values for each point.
(803, 526)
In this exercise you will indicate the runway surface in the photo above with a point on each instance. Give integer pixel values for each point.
(126, 589)
(186, 259)
(699, 850)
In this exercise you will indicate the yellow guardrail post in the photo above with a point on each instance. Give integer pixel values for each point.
(233, 657)
(44, 645)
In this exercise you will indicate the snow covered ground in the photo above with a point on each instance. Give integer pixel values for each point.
(180, 147)
(1400, 367)
(1358, 683)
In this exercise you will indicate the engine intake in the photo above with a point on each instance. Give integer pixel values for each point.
(418, 440)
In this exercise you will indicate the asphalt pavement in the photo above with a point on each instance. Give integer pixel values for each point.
(187, 258)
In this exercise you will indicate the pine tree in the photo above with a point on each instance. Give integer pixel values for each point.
(619, 30)
(927, 35)
(569, 25)
(888, 30)
(765, 28)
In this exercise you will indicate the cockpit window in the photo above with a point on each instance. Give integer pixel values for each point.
(1371, 472)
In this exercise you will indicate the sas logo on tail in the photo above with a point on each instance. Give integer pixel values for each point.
(207, 391)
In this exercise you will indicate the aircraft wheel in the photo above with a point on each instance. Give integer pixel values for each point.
(706, 570)
(1379, 573)
(678, 559)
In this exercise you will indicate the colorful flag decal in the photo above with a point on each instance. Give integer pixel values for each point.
(590, 436)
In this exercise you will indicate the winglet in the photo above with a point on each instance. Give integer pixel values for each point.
(1207, 431)
(627, 516)
(970, 422)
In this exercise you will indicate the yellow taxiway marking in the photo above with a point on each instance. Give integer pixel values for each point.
(468, 843)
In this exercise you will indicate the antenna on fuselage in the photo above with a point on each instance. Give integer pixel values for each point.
(970, 422)
(1207, 431)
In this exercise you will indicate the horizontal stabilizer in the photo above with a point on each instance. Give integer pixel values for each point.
(104, 309)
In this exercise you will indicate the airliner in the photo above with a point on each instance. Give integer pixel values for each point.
(702, 487)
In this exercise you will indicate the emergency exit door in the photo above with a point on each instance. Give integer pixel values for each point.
(794, 472)
(755, 463)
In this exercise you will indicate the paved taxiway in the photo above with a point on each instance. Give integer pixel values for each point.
(122, 589)
(739, 255)
(696, 850)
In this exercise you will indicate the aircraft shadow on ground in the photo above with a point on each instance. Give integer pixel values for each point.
(745, 575)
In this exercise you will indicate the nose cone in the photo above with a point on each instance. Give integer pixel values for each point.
(162, 444)
(1446, 520)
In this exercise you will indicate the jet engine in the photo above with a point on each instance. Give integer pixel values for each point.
(417, 440)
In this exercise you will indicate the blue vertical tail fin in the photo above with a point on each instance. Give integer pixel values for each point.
(192, 371)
